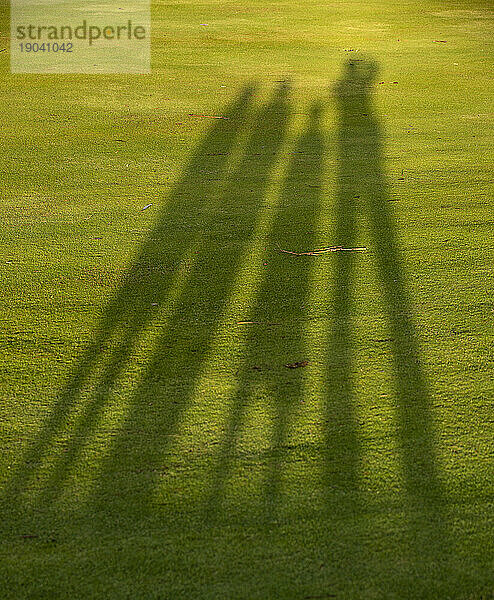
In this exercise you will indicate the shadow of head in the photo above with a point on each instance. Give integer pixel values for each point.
(359, 75)
(281, 94)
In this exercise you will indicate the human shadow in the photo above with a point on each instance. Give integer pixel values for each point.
(276, 338)
(362, 183)
(148, 288)
(182, 348)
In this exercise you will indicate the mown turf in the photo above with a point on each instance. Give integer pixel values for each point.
(154, 444)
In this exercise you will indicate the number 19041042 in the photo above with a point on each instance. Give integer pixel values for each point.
(46, 47)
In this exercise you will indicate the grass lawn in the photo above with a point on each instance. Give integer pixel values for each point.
(155, 444)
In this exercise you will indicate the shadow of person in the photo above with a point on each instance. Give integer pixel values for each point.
(148, 288)
(361, 175)
(131, 471)
(276, 336)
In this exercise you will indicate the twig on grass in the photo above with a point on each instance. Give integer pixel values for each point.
(323, 251)
(256, 323)
(206, 116)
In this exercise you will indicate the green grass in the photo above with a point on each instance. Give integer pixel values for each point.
(154, 445)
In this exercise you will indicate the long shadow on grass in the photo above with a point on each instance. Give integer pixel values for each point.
(137, 457)
(268, 397)
(268, 394)
(362, 183)
(151, 286)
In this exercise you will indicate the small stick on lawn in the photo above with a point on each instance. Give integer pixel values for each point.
(323, 251)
